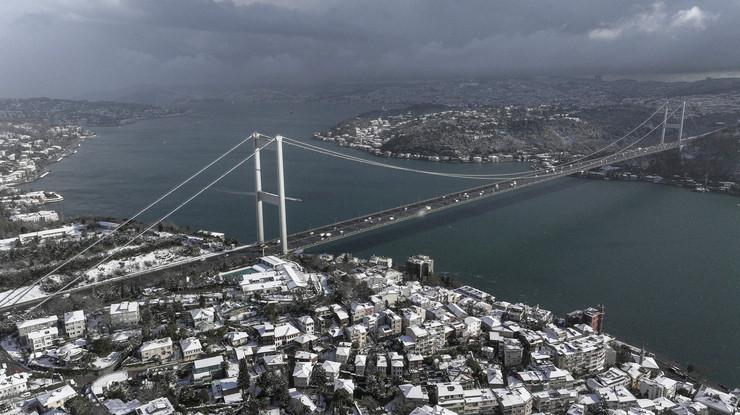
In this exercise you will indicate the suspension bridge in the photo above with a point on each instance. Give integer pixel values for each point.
(628, 147)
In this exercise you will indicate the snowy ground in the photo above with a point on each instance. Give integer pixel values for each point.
(19, 295)
(133, 264)
(11, 346)
(103, 362)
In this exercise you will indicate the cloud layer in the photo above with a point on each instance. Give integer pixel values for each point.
(74, 47)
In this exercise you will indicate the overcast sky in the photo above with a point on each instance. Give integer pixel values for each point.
(74, 47)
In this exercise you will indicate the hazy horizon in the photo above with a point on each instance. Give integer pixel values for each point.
(82, 48)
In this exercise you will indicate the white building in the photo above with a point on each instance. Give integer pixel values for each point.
(513, 352)
(41, 339)
(203, 317)
(27, 326)
(13, 385)
(285, 333)
(160, 349)
(451, 396)
(480, 401)
(159, 406)
(124, 314)
(586, 355)
(56, 398)
(718, 402)
(306, 324)
(357, 335)
(302, 374)
(191, 348)
(514, 401)
(74, 323)
(660, 387)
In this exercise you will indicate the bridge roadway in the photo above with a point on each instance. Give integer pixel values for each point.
(372, 221)
(351, 227)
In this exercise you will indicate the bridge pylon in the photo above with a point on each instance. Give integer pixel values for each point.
(267, 197)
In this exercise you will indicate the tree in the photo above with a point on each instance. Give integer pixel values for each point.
(342, 402)
(79, 405)
(271, 312)
(244, 378)
(318, 377)
(102, 346)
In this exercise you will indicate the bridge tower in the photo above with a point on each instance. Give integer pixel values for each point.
(678, 126)
(270, 198)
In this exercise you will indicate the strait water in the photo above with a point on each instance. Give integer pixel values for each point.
(663, 260)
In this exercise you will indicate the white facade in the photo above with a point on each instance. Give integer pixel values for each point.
(13, 385)
(124, 314)
(74, 323)
(42, 339)
(191, 348)
(160, 349)
(27, 326)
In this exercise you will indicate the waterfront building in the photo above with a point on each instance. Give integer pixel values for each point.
(717, 402)
(419, 266)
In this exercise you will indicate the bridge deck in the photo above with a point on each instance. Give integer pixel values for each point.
(372, 221)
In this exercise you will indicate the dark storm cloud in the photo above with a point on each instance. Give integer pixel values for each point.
(71, 47)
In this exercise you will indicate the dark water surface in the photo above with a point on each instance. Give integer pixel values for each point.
(664, 261)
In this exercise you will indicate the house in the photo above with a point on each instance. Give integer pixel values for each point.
(56, 398)
(346, 385)
(28, 326)
(306, 324)
(159, 406)
(302, 374)
(416, 395)
(236, 338)
(331, 369)
(450, 395)
(41, 339)
(480, 401)
(357, 335)
(124, 314)
(222, 389)
(514, 401)
(14, 384)
(659, 387)
(360, 364)
(718, 402)
(206, 369)
(191, 348)
(202, 317)
(74, 323)
(342, 353)
(300, 402)
(159, 349)
(431, 410)
(285, 333)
